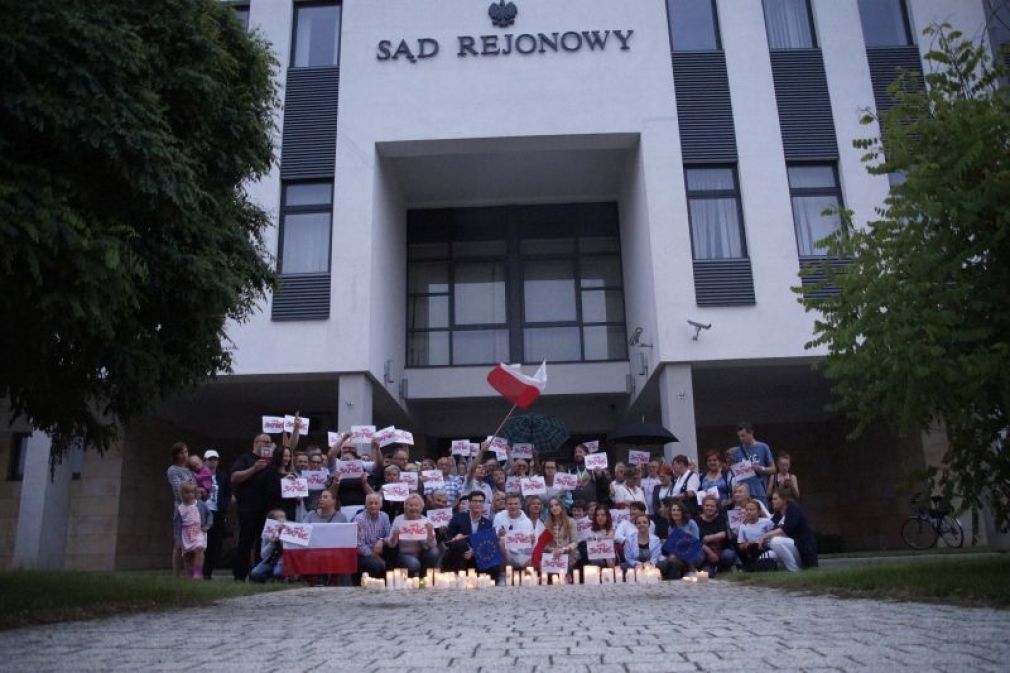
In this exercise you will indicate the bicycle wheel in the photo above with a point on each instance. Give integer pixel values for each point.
(952, 532)
(918, 532)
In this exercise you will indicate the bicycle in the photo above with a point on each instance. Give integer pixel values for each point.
(923, 529)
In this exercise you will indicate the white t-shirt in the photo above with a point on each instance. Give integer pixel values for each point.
(623, 494)
(627, 530)
(519, 551)
(750, 532)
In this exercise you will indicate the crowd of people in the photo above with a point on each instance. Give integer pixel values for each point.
(739, 512)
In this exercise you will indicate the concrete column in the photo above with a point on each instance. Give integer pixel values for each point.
(41, 539)
(676, 400)
(355, 401)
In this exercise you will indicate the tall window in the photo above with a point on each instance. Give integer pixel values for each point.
(789, 24)
(694, 25)
(316, 40)
(713, 202)
(18, 454)
(814, 189)
(490, 285)
(885, 23)
(306, 213)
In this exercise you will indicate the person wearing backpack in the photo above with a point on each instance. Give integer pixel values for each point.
(685, 485)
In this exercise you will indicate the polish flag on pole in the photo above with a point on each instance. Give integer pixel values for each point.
(332, 549)
(516, 387)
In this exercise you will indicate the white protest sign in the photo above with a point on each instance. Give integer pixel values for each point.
(566, 482)
(289, 425)
(410, 479)
(533, 486)
(296, 534)
(433, 479)
(294, 487)
(584, 527)
(743, 470)
(600, 550)
(439, 518)
(267, 452)
(639, 457)
(461, 447)
(735, 517)
(701, 495)
(362, 435)
(499, 445)
(415, 530)
(348, 469)
(316, 479)
(395, 492)
(474, 450)
(522, 451)
(596, 461)
(554, 565)
(520, 541)
(403, 437)
(332, 438)
(514, 485)
(592, 447)
(273, 425)
(619, 516)
(271, 527)
(385, 436)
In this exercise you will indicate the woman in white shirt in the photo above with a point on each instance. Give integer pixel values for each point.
(625, 493)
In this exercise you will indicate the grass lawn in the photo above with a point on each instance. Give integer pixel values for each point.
(981, 582)
(30, 597)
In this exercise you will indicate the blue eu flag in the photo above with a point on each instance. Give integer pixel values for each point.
(683, 545)
(486, 552)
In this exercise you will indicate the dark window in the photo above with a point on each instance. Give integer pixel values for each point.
(694, 25)
(885, 23)
(316, 41)
(18, 454)
(713, 202)
(306, 212)
(490, 285)
(814, 189)
(789, 24)
(242, 12)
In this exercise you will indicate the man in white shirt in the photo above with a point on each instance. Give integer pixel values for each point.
(685, 484)
(515, 533)
(649, 483)
(627, 529)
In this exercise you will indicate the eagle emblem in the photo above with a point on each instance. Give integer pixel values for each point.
(503, 14)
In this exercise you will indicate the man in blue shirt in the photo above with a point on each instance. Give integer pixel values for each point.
(759, 455)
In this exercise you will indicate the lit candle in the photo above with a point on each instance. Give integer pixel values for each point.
(508, 574)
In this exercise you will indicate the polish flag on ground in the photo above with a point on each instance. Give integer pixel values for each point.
(515, 386)
(332, 550)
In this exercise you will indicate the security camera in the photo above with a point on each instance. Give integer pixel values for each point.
(635, 336)
(698, 327)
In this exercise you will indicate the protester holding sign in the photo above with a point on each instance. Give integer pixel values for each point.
(594, 486)
(392, 508)
(716, 477)
(475, 482)
(414, 537)
(272, 564)
(564, 531)
(516, 533)
(736, 514)
(551, 490)
(759, 455)
(601, 528)
(257, 490)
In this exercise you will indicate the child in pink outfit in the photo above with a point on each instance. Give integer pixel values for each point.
(204, 477)
(192, 520)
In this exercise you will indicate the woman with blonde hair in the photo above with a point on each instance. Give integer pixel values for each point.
(564, 532)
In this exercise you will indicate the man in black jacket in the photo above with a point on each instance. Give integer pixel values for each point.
(218, 501)
(458, 553)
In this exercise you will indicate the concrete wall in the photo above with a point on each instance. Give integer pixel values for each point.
(10, 501)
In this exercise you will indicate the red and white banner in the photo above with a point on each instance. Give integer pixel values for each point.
(332, 549)
(516, 387)
(566, 482)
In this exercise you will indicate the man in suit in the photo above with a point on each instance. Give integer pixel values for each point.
(459, 555)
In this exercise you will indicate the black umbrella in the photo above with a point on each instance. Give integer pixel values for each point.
(546, 433)
(642, 433)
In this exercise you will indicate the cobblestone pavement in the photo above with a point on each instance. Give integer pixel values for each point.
(664, 628)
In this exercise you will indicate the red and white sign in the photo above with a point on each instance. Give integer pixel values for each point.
(600, 550)
(333, 437)
(499, 445)
(385, 436)
(362, 435)
(415, 530)
(461, 447)
(289, 425)
(551, 564)
(566, 482)
(520, 541)
(743, 470)
(639, 457)
(395, 492)
(474, 449)
(273, 425)
(619, 516)
(316, 479)
(533, 486)
(297, 534)
(701, 495)
(584, 526)
(596, 461)
(410, 479)
(735, 517)
(592, 447)
(522, 451)
(294, 487)
(403, 437)
(271, 528)
(439, 518)
(514, 485)
(516, 387)
(331, 549)
(432, 479)
(348, 469)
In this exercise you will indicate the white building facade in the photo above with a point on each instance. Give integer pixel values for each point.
(574, 180)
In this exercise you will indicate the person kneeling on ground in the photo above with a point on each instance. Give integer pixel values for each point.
(791, 539)
(271, 552)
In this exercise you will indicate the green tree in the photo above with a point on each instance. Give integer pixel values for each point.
(920, 328)
(127, 130)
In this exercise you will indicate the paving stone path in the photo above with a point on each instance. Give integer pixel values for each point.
(666, 628)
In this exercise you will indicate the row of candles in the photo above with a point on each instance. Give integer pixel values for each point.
(398, 580)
